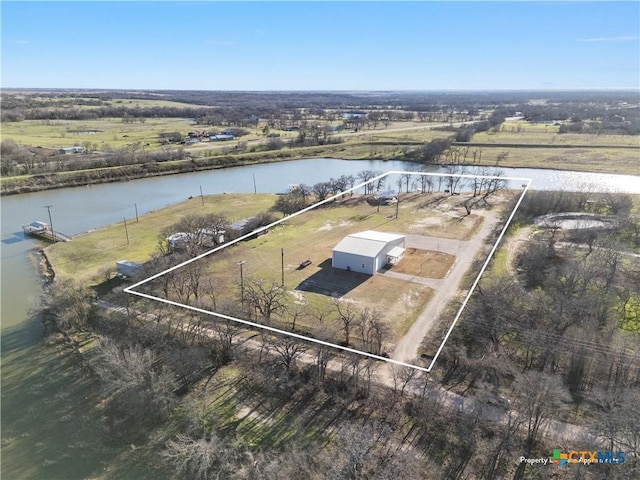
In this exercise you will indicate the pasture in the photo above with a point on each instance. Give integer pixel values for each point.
(101, 134)
(280, 252)
(88, 255)
(310, 237)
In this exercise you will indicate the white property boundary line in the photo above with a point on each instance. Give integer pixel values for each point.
(131, 290)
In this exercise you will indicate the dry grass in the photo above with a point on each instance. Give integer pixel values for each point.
(310, 236)
(424, 263)
(88, 255)
(604, 160)
(536, 134)
(313, 235)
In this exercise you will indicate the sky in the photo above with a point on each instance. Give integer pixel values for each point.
(327, 45)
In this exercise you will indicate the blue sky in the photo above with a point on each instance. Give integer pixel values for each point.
(321, 45)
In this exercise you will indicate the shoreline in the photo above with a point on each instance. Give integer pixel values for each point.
(85, 178)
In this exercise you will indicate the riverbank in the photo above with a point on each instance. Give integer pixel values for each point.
(82, 178)
(624, 160)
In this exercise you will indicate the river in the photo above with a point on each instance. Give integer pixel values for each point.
(49, 426)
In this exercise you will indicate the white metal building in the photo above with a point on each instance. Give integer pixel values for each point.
(367, 252)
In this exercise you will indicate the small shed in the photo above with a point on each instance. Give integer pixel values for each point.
(368, 251)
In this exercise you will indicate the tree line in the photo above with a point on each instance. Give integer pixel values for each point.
(551, 333)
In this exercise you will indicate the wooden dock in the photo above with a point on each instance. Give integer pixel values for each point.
(43, 231)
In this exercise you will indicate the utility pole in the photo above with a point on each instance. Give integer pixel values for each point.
(241, 284)
(282, 253)
(53, 232)
(201, 196)
(255, 190)
(136, 205)
(125, 230)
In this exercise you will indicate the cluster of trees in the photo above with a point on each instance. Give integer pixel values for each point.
(610, 127)
(156, 366)
(302, 195)
(543, 344)
(267, 301)
(14, 156)
(547, 331)
(206, 231)
(19, 160)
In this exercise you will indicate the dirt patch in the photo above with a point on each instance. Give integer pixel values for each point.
(426, 223)
(424, 263)
(329, 225)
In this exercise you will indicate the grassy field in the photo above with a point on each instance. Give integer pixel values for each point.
(521, 132)
(613, 154)
(310, 236)
(64, 102)
(523, 144)
(107, 131)
(87, 255)
(604, 160)
(115, 133)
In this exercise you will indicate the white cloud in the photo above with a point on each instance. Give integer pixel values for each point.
(22, 42)
(621, 38)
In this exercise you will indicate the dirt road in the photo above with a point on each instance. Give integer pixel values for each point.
(407, 348)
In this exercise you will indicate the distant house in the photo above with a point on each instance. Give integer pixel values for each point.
(367, 252)
(353, 115)
(67, 150)
(221, 138)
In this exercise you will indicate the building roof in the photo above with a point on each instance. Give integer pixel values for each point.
(366, 244)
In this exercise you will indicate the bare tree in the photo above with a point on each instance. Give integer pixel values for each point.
(200, 458)
(288, 350)
(348, 316)
(538, 396)
(265, 298)
(70, 305)
(402, 377)
(322, 190)
(373, 330)
(366, 176)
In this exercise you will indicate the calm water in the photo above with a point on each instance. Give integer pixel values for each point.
(49, 425)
